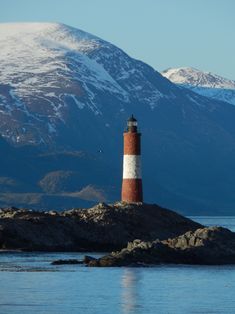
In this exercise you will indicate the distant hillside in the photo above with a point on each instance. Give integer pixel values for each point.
(203, 83)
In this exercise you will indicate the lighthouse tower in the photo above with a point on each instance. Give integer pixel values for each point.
(132, 180)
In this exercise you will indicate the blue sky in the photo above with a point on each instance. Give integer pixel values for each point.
(163, 33)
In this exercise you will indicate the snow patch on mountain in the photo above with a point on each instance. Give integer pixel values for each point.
(28, 51)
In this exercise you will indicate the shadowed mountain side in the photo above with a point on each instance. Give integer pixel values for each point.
(30, 177)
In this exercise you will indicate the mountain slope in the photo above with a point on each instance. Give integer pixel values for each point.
(49, 71)
(63, 90)
(203, 83)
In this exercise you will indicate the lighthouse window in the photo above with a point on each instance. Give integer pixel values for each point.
(132, 123)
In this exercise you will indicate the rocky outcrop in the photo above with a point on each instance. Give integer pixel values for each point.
(100, 228)
(205, 246)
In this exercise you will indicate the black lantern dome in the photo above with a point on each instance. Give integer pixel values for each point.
(132, 124)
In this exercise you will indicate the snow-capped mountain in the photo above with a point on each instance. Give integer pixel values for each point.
(49, 68)
(55, 80)
(203, 83)
(64, 90)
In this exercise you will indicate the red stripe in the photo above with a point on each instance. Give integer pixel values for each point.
(131, 143)
(132, 190)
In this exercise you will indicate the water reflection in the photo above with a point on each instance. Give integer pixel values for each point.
(130, 283)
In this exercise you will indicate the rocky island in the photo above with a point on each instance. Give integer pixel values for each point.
(138, 233)
(100, 228)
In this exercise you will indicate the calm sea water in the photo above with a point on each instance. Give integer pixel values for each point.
(29, 284)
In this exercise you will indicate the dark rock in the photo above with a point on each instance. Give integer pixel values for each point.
(204, 246)
(66, 261)
(89, 259)
(100, 228)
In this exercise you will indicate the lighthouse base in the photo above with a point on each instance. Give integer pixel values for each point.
(132, 190)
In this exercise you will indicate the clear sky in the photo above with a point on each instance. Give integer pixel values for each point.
(163, 33)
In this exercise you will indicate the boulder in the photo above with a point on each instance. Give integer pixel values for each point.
(204, 246)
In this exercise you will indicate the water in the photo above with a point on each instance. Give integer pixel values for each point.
(29, 284)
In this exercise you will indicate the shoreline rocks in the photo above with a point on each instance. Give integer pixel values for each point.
(139, 234)
(104, 227)
(205, 246)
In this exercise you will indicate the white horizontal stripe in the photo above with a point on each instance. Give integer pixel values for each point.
(131, 167)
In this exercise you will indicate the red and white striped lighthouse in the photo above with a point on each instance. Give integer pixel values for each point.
(132, 179)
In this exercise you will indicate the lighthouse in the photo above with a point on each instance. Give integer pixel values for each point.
(132, 179)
